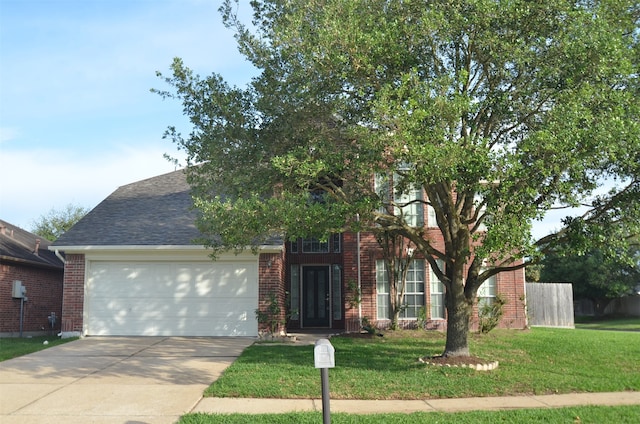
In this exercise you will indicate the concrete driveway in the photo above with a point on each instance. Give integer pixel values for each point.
(124, 380)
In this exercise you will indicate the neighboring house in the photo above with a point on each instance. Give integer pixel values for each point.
(24, 258)
(132, 269)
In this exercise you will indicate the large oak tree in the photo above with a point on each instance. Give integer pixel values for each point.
(498, 110)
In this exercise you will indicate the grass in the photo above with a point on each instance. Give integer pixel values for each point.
(573, 415)
(620, 324)
(537, 361)
(12, 347)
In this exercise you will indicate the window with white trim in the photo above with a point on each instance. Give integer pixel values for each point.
(477, 201)
(413, 209)
(414, 290)
(432, 221)
(487, 292)
(412, 199)
(436, 293)
(382, 290)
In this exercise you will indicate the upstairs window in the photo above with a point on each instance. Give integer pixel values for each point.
(409, 203)
(314, 245)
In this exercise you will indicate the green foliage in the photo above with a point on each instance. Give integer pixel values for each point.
(368, 326)
(532, 273)
(354, 294)
(498, 110)
(595, 275)
(273, 316)
(489, 314)
(422, 318)
(57, 222)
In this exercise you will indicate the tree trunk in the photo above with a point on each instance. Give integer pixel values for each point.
(395, 319)
(458, 314)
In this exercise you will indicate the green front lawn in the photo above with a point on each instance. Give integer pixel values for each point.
(574, 415)
(12, 347)
(620, 324)
(537, 361)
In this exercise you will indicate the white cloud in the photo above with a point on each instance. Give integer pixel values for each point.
(44, 179)
(8, 134)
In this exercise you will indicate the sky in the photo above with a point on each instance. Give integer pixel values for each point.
(77, 118)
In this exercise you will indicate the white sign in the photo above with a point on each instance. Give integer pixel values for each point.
(324, 354)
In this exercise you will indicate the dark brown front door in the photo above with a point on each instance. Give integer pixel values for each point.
(315, 296)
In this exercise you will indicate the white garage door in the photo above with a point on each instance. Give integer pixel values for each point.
(171, 299)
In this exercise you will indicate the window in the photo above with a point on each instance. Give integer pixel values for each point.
(477, 200)
(436, 293)
(336, 291)
(412, 199)
(381, 186)
(294, 246)
(335, 242)
(314, 245)
(487, 292)
(412, 211)
(432, 221)
(413, 295)
(294, 295)
(382, 290)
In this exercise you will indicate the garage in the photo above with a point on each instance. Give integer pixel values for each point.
(168, 298)
(135, 265)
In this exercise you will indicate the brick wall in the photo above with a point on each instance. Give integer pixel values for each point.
(509, 284)
(44, 294)
(271, 280)
(73, 293)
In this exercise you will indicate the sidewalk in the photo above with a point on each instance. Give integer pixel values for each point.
(275, 406)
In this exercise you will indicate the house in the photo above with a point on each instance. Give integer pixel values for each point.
(132, 268)
(25, 262)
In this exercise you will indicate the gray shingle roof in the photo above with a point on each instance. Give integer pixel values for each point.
(18, 245)
(156, 211)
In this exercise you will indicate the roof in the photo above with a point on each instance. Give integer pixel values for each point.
(152, 212)
(20, 246)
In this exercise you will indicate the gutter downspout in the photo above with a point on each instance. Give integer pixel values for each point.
(57, 252)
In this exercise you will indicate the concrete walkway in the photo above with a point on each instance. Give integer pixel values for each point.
(274, 406)
(123, 380)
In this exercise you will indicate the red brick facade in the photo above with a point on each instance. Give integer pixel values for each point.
(274, 276)
(44, 295)
(73, 293)
(358, 258)
(270, 278)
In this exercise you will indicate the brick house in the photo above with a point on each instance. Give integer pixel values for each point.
(132, 268)
(347, 261)
(24, 258)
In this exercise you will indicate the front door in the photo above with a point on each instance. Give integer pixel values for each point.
(315, 296)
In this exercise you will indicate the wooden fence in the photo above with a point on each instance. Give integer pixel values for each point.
(550, 304)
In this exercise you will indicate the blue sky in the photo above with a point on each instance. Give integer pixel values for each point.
(77, 118)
